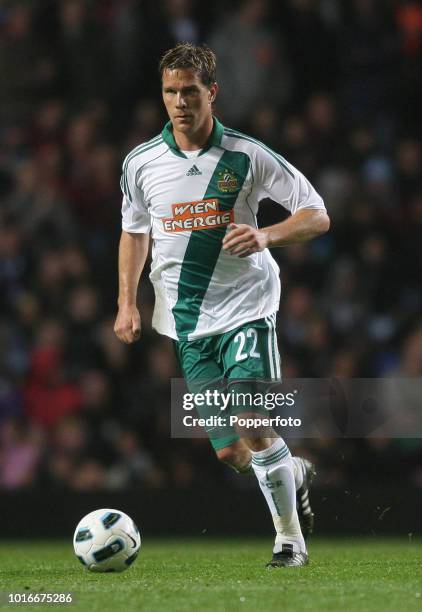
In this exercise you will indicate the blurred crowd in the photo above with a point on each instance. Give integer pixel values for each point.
(335, 87)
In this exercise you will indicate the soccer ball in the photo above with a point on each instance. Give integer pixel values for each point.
(106, 541)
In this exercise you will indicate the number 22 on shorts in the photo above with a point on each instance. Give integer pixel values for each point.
(240, 338)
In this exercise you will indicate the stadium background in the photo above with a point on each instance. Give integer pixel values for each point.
(84, 420)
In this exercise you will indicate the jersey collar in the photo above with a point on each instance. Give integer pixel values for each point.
(213, 141)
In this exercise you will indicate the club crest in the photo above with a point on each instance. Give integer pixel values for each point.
(227, 182)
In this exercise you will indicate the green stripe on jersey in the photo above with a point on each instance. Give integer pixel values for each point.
(204, 248)
(283, 163)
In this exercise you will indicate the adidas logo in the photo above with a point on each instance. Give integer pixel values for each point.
(194, 171)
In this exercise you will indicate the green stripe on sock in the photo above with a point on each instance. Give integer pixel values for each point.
(280, 454)
(278, 457)
(283, 453)
(274, 454)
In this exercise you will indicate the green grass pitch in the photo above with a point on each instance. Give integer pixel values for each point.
(223, 575)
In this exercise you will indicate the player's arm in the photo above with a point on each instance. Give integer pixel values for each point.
(133, 251)
(275, 178)
(305, 224)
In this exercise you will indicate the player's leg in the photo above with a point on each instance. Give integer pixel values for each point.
(251, 353)
(201, 371)
(236, 455)
(200, 368)
(274, 469)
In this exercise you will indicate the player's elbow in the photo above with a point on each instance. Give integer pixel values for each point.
(322, 223)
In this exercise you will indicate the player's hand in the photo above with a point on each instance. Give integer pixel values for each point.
(128, 324)
(243, 240)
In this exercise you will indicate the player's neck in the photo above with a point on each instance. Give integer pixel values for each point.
(196, 140)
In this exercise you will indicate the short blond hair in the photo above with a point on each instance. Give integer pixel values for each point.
(199, 58)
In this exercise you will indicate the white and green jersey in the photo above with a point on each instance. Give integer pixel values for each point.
(186, 203)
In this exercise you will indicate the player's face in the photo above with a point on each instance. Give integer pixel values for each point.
(187, 100)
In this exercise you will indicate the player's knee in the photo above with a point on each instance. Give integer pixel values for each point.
(234, 457)
(227, 455)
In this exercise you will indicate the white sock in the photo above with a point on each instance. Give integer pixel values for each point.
(298, 472)
(273, 468)
(247, 470)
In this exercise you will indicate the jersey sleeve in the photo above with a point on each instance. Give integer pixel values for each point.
(275, 178)
(135, 215)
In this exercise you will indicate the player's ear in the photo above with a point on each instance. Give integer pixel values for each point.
(212, 94)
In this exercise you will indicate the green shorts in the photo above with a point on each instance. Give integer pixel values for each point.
(247, 353)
